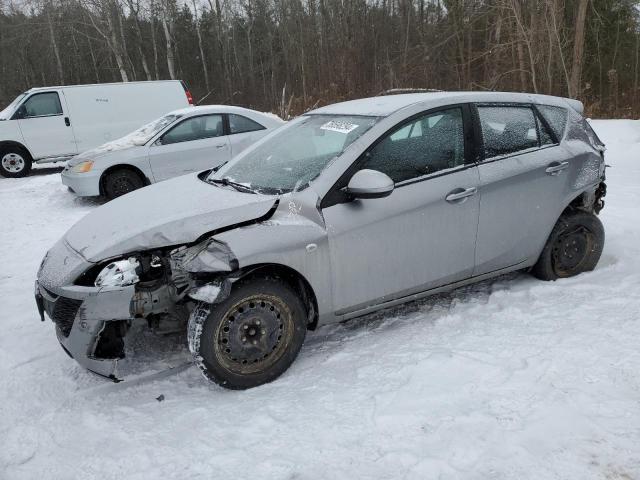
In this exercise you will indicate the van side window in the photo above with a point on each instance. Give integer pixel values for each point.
(425, 145)
(240, 124)
(507, 129)
(194, 128)
(41, 105)
(556, 117)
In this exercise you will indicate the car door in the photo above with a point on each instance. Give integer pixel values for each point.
(193, 144)
(243, 132)
(423, 234)
(522, 185)
(45, 126)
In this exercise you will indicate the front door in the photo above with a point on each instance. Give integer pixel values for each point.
(423, 234)
(45, 127)
(194, 144)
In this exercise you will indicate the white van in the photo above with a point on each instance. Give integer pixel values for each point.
(51, 124)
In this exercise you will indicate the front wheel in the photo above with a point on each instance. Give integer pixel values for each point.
(250, 338)
(574, 246)
(122, 181)
(14, 162)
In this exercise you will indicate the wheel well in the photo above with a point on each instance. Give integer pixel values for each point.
(131, 168)
(295, 280)
(9, 143)
(584, 201)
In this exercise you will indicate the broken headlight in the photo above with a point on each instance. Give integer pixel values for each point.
(119, 274)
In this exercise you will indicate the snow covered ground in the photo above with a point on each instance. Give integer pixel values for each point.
(509, 379)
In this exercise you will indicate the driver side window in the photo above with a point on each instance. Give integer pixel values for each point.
(425, 145)
(41, 105)
(194, 128)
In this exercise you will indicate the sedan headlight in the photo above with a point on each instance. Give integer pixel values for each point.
(119, 274)
(82, 167)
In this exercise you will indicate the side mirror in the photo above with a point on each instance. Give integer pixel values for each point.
(20, 113)
(369, 184)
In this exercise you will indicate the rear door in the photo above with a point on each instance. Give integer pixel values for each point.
(195, 143)
(45, 126)
(523, 181)
(423, 234)
(243, 132)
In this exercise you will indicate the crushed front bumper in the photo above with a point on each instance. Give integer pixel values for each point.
(84, 317)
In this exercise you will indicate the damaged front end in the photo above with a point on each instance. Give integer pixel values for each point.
(95, 311)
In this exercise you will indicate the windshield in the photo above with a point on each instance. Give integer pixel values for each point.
(148, 131)
(296, 154)
(8, 111)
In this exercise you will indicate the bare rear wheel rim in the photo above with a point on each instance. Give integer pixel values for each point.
(121, 186)
(571, 251)
(254, 334)
(13, 162)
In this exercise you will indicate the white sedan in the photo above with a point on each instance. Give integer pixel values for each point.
(181, 142)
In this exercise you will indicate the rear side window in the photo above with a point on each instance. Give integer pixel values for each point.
(507, 130)
(556, 117)
(240, 124)
(41, 105)
(195, 128)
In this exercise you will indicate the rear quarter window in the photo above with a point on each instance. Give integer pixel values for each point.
(507, 129)
(556, 117)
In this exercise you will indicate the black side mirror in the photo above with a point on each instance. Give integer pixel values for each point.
(369, 184)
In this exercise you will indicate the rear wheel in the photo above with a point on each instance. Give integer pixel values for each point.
(574, 246)
(14, 162)
(122, 181)
(250, 338)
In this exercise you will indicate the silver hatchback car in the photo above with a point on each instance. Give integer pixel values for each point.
(348, 209)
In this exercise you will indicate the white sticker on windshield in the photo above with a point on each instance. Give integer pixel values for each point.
(339, 126)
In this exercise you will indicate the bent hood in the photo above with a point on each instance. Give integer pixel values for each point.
(168, 213)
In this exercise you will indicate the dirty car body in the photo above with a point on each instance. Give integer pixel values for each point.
(478, 198)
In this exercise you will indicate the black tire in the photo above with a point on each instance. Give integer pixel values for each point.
(15, 162)
(252, 337)
(119, 182)
(574, 246)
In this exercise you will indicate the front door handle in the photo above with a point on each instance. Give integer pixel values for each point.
(67, 122)
(555, 168)
(223, 145)
(459, 195)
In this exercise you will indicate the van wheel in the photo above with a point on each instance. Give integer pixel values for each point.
(118, 182)
(574, 246)
(250, 338)
(14, 162)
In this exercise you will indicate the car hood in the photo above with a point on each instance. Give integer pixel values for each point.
(168, 213)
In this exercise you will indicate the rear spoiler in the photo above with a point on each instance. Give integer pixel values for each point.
(575, 105)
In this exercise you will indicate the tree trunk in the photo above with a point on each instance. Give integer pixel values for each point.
(170, 54)
(578, 49)
(54, 44)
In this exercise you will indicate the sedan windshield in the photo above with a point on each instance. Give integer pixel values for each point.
(146, 132)
(296, 154)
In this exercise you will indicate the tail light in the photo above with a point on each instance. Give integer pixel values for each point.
(189, 97)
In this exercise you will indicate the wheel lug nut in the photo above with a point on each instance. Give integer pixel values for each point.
(257, 322)
(254, 342)
(263, 331)
(245, 326)
(244, 339)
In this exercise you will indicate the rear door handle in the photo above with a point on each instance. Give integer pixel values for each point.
(556, 168)
(67, 122)
(459, 195)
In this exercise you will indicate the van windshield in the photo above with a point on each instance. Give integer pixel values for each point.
(296, 154)
(8, 111)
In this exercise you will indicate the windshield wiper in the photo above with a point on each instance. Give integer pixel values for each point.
(230, 183)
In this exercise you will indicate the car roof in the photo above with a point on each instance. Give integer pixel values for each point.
(383, 106)
(203, 109)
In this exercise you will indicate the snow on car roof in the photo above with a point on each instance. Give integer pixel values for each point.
(383, 106)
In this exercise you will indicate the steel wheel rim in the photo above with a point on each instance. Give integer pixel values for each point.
(253, 334)
(13, 162)
(571, 250)
(122, 186)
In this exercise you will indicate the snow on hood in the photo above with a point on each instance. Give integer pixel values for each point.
(168, 213)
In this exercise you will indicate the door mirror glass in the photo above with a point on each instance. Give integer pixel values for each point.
(369, 184)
